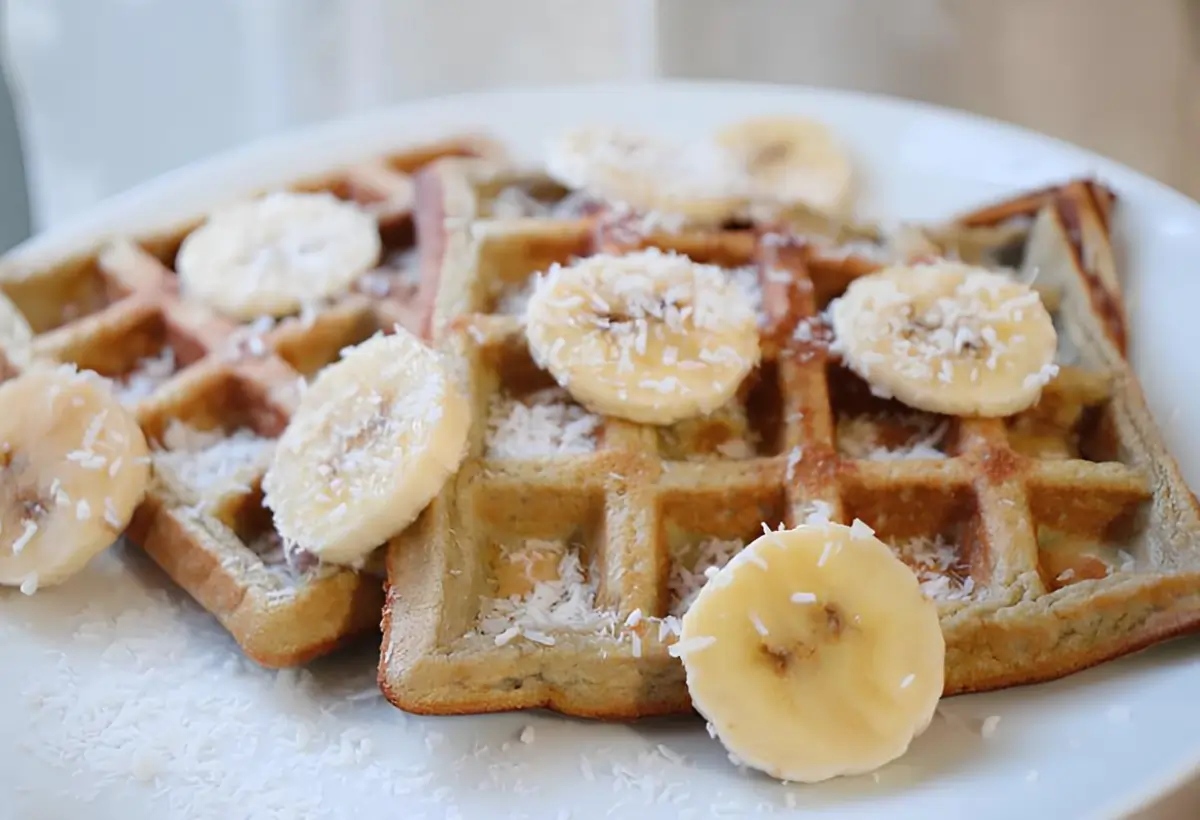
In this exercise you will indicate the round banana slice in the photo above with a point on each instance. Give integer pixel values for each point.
(374, 438)
(651, 337)
(947, 338)
(273, 255)
(16, 337)
(73, 467)
(791, 160)
(814, 654)
(649, 174)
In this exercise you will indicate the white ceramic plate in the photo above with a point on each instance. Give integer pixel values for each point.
(119, 698)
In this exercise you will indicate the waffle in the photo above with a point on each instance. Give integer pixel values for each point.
(212, 395)
(550, 572)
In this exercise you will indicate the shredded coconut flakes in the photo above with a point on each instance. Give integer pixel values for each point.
(148, 374)
(935, 562)
(546, 423)
(565, 602)
(689, 576)
(211, 461)
(860, 437)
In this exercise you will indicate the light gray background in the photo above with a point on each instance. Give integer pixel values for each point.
(112, 92)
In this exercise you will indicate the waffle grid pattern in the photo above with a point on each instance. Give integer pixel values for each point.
(232, 387)
(1007, 495)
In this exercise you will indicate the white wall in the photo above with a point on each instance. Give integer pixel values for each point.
(114, 91)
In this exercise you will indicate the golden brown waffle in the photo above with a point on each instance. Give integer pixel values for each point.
(1054, 540)
(1084, 209)
(212, 396)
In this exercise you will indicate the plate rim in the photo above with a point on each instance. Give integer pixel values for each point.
(182, 193)
(318, 147)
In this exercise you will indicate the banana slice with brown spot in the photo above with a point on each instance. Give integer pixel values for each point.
(73, 467)
(814, 654)
(790, 159)
(691, 180)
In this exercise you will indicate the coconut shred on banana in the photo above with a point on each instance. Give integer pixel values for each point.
(744, 168)
(74, 466)
(814, 654)
(650, 336)
(947, 338)
(375, 437)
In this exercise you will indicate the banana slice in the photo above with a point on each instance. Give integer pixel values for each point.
(16, 337)
(814, 654)
(73, 467)
(273, 255)
(691, 180)
(650, 336)
(947, 338)
(791, 160)
(373, 440)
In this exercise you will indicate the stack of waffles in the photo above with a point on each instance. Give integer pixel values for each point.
(554, 567)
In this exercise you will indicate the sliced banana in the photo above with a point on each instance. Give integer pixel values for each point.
(651, 337)
(273, 255)
(372, 442)
(16, 336)
(692, 180)
(791, 160)
(73, 467)
(814, 654)
(947, 338)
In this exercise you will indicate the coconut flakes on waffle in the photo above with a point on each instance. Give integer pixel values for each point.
(148, 374)
(860, 437)
(566, 601)
(936, 561)
(213, 462)
(545, 423)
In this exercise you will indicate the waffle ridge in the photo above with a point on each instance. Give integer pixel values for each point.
(987, 511)
(210, 391)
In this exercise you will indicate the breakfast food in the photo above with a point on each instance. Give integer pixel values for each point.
(372, 441)
(213, 396)
(760, 165)
(813, 653)
(791, 160)
(614, 524)
(692, 180)
(273, 255)
(637, 359)
(650, 337)
(73, 466)
(947, 338)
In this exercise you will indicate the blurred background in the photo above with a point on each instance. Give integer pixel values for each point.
(110, 92)
(107, 93)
